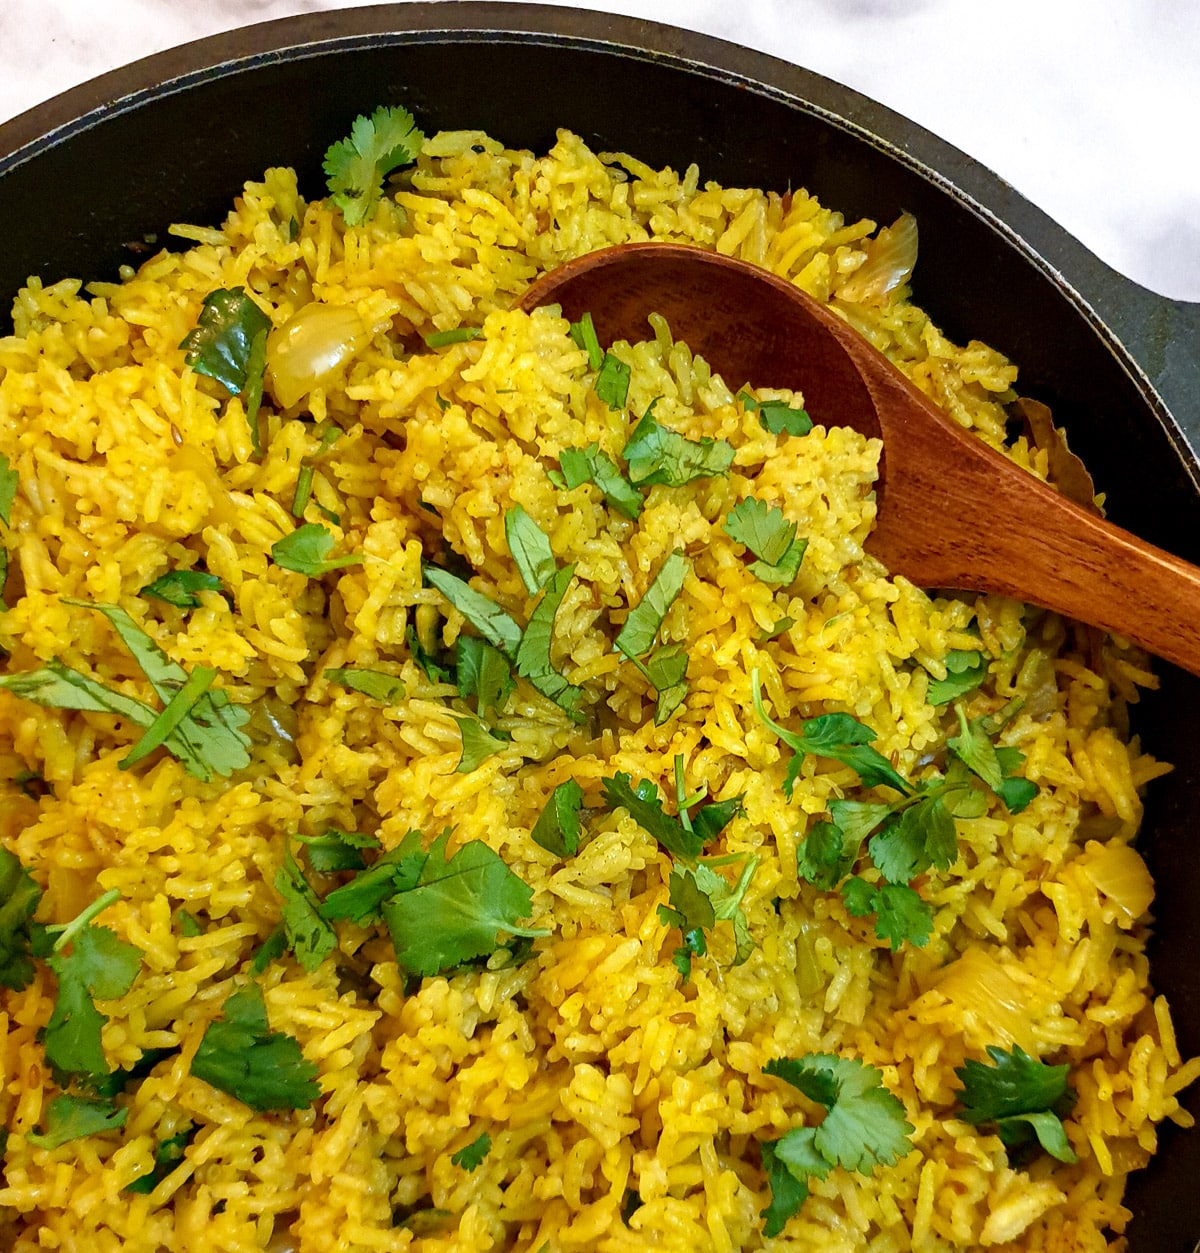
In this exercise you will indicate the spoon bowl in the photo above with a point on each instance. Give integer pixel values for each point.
(952, 512)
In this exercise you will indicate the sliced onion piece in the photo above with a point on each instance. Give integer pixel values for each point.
(305, 352)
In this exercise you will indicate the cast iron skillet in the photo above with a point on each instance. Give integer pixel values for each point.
(173, 137)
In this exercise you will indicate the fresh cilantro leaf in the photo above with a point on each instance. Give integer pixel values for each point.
(857, 819)
(309, 935)
(483, 672)
(397, 870)
(457, 908)
(220, 345)
(838, 736)
(189, 925)
(55, 686)
(530, 548)
(533, 653)
(180, 707)
(306, 551)
(641, 626)
(712, 818)
(825, 857)
(780, 628)
(377, 684)
(645, 806)
(612, 381)
(181, 588)
(335, 850)
(558, 827)
(73, 1117)
(241, 1056)
(965, 671)
(271, 949)
(700, 898)
(478, 743)
(921, 835)
(777, 417)
(788, 1182)
(8, 489)
(900, 912)
(1014, 791)
(656, 454)
(458, 335)
(590, 465)
(865, 1125)
(975, 750)
(87, 961)
(1022, 1096)
(471, 1156)
(356, 167)
(667, 671)
(19, 898)
(436, 669)
(583, 333)
(770, 537)
(167, 1155)
(496, 626)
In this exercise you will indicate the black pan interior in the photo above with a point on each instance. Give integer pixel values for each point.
(71, 203)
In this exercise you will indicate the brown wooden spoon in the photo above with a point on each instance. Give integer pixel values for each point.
(952, 512)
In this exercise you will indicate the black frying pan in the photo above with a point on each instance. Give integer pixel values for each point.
(173, 137)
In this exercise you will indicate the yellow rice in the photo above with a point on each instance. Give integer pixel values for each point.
(596, 1071)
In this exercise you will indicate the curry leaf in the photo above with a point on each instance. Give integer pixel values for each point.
(221, 343)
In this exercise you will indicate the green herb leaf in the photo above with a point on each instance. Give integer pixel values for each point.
(530, 548)
(770, 537)
(583, 333)
(641, 626)
(901, 913)
(590, 465)
(645, 806)
(457, 908)
(921, 835)
(788, 1183)
(241, 1056)
(478, 743)
(19, 898)
(335, 850)
(666, 668)
(1014, 791)
(397, 870)
(975, 750)
(189, 924)
(8, 489)
(457, 335)
(306, 551)
(357, 166)
(181, 588)
(700, 898)
(220, 346)
(496, 626)
(377, 684)
(777, 416)
(865, 1125)
(309, 935)
(271, 949)
(73, 1117)
(1024, 1097)
(181, 706)
(656, 454)
(471, 1156)
(826, 856)
(558, 827)
(612, 381)
(167, 1155)
(965, 671)
(533, 653)
(483, 672)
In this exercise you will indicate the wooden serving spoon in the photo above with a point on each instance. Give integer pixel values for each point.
(952, 512)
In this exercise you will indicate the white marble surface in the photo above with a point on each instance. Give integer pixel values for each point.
(1091, 108)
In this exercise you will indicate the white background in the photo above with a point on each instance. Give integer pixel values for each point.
(1090, 108)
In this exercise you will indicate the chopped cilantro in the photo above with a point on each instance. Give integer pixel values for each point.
(357, 166)
(308, 934)
(457, 908)
(826, 856)
(789, 1162)
(306, 551)
(181, 588)
(377, 684)
(19, 898)
(666, 668)
(335, 850)
(533, 653)
(397, 870)
(189, 924)
(167, 1155)
(900, 912)
(558, 827)
(496, 626)
(920, 835)
(483, 672)
(965, 671)
(700, 898)
(1022, 1096)
(591, 465)
(72, 1117)
(530, 548)
(437, 669)
(478, 743)
(770, 537)
(172, 715)
(241, 1056)
(612, 381)
(777, 417)
(641, 626)
(994, 765)
(656, 454)
(8, 489)
(683, 836)
(271, 949)
(471, 1156)
(457, 335)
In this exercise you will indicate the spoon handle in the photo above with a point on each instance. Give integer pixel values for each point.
(954, 513)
